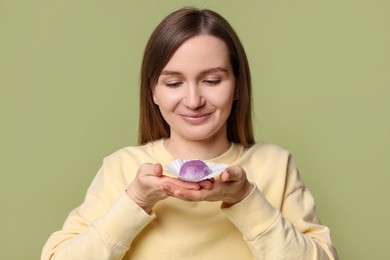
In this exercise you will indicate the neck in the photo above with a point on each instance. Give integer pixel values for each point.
(194, 149)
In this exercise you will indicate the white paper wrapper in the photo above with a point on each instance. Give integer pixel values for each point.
(215, 169)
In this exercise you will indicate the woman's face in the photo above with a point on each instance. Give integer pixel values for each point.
(196, 89)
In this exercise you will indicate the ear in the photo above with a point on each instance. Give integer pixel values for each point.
(154, 98)
(235, 93)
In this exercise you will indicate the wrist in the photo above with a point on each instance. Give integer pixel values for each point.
(147, 207)
(246, 190)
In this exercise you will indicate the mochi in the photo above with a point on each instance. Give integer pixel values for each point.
(194, 170)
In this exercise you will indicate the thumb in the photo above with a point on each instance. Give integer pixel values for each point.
(233, 173)
(158, 170)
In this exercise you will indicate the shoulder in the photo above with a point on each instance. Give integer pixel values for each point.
(136, 150)
(267, 150)
(267, 161)
(130, 155)
(273, 169)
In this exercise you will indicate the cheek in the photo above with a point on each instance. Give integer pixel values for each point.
(223, 99)
(158, 95)
(166, 101)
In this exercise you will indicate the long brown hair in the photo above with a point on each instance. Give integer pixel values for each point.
(175, 29)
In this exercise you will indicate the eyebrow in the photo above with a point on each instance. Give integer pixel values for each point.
(207, 71)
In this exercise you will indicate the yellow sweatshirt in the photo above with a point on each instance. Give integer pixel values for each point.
(276, 221)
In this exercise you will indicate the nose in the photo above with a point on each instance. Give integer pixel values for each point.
(194, 98)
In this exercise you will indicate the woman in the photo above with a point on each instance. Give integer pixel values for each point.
(195, 103)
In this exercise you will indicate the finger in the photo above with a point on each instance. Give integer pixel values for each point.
(206, 184)
(148, 169)
(174, 184)
(158, 170)
(225, 176)
(170, 188)
(233, 173)
(191, 195)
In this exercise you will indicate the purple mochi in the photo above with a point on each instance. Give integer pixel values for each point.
(194, 170)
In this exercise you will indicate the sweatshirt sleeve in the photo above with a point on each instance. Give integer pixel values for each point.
(291, 231)
(98, 229)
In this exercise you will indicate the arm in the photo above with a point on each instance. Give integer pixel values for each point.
(271, 235)
(278, 218)
(96, 229)
(105, 225)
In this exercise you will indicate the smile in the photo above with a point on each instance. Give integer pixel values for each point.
(196, 118)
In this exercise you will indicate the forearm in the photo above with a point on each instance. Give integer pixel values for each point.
(107, 237)
(92, 244)
(270, 236)
(284, 241)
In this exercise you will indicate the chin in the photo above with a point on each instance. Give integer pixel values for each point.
(205, 134)
(199, 137)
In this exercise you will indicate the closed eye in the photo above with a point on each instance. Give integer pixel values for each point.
(173, 84)
(213, 82)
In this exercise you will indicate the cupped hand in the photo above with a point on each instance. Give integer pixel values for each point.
(232, 187)
(149, 186)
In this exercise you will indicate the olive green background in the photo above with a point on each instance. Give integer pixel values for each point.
(69, 74)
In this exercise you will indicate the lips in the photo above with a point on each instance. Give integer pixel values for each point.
(196, 115)
(196, 118)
